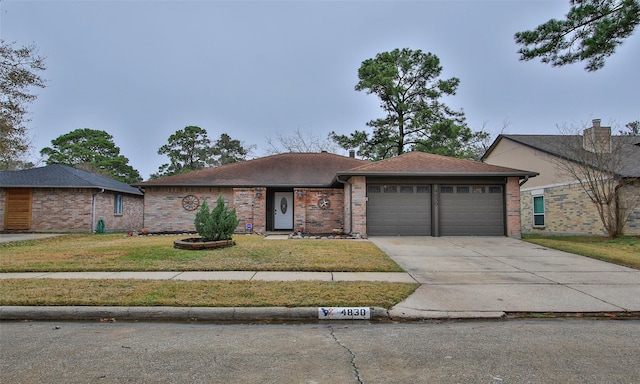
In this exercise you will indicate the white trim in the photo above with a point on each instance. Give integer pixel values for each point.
(537, 192)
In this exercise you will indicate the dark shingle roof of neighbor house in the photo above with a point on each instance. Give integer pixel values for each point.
(281, 170)
(62, 176)
(554, 144)
(427, 164)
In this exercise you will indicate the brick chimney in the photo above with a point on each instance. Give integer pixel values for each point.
(352, 153)
(597, 139)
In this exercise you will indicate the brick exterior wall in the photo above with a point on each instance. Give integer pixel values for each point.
(512, 196)
(568, 211)
(163, 211)
(310, 218)
(132, 215)
(3, 195)
(70, 210)
(359, 206)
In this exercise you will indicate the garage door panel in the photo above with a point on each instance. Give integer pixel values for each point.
(398, 210)
(476, 210)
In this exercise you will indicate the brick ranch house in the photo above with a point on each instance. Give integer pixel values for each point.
(412, 194)
(554, 203)
(59, 198)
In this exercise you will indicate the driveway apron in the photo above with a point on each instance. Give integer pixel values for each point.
(475, 277)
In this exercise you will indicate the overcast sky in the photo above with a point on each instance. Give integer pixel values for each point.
(141, 70)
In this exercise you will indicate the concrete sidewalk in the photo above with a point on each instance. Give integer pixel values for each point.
(392, 277)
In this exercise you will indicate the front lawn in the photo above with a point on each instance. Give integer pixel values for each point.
(156, 253)
(623, 251)
(116, 252)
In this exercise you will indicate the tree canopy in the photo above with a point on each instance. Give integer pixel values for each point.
(190, 149)
(410, 91)
(93, 150)
(591, 32)
(19, 74)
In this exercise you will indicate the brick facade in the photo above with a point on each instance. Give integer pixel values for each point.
(71, 210)
(359, 206)
(3, 195)
(512, 196)
(163, 211)
(568, 211)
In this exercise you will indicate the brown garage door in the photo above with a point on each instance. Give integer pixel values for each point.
(471, 210)
(17, 211)
(394, 210)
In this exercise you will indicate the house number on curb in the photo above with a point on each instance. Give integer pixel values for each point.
(346, 313)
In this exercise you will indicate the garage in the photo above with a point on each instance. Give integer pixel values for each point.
(471, 210)
(423, 194)
(406, 210)
(394, 210)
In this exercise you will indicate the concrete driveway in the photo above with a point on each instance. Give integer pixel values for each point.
(7, 237)
(493, 276)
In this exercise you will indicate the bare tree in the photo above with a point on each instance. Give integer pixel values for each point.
(606, 167)
(301, 142)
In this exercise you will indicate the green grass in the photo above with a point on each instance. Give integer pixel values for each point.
(36, 292)
(116, 252)
(623, 251)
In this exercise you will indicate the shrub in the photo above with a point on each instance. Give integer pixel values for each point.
(218, 224)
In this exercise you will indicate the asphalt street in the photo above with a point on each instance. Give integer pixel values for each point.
(520, 351)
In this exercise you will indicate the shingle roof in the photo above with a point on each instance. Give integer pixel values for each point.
(62, 176)
(427, 164)
(281, 170)
(554, 145)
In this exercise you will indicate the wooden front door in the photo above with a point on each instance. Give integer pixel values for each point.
(17, 209)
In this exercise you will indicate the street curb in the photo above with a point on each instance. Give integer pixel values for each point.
(85, 313)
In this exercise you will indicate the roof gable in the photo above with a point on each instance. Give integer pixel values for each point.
(281, 170)
(427, 164)
(62, 176)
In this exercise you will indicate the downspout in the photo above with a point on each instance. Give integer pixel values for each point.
(350, 202)
(93, 209)
(526, 178)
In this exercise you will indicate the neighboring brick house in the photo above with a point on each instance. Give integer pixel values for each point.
(60, 198)
(412, 194)
(554, 203)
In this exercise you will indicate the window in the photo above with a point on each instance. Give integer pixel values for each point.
(446, 189)
(538, 211)
(478, 189)
(374, 189)
(390, 189)
(495, 189)
(462, 189)
(422, 189)
(117, 205)
(406, 189)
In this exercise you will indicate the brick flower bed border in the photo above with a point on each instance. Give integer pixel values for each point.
(195, 243)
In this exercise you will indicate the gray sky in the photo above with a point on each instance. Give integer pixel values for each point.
(141, 70)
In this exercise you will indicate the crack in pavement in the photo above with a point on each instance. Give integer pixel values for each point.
(353, 355)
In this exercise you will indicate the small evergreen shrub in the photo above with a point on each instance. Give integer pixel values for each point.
(217, 224)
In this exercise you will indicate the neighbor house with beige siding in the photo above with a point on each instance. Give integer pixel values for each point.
(555, 203)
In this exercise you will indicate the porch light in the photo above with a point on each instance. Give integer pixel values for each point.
(258, 193)
(299, 194)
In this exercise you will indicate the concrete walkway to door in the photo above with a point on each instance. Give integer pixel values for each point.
(475, 277)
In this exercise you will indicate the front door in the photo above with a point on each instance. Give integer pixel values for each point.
(283, 210)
